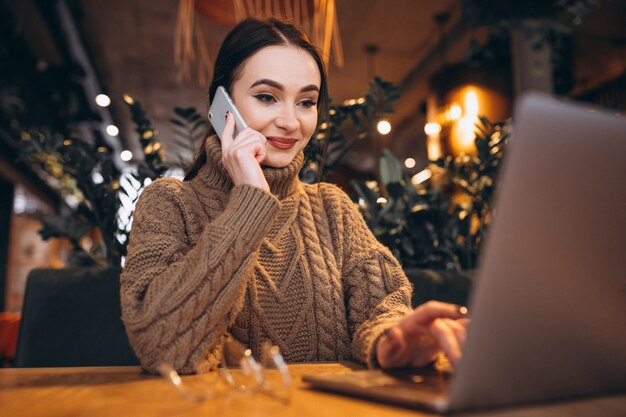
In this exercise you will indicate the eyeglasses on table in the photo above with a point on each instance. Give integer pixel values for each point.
(241, 373)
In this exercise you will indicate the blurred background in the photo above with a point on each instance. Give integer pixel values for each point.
(99, 98)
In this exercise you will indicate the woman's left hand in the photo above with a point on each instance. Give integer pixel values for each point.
(432, 328)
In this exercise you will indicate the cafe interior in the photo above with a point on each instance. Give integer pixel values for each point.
(98, 99)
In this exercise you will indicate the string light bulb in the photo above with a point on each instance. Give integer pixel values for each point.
(384, 127)
(103, 100)
(455, 112)
(126, 155)
(432, 128)
(112, 130)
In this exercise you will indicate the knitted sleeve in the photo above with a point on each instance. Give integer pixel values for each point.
(178, 297)
(377, 291)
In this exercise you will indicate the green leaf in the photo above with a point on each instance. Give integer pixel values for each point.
(177, 122)
(395, 189)
(390, 168)
(185, 113)
(200, 123)
(63, 227)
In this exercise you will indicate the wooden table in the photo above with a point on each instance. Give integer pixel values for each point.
(126, 391)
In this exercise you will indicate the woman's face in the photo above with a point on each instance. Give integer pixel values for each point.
(277, 93)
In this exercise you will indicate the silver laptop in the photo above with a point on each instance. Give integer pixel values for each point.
(549, 306)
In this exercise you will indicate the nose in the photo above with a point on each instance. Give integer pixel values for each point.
(287, 119)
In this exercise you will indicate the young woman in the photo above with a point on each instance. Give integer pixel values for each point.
(242, 248)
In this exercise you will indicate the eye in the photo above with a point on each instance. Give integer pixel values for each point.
(308, 103)
(265, 98)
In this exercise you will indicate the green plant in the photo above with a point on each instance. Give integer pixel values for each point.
(491, 12)
(88, 179)
(422, 224)
(545, 24)
(95, 189)
(439, 224)
(189, 130)
(345, 125)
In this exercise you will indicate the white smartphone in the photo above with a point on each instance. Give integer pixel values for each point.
(221, 104)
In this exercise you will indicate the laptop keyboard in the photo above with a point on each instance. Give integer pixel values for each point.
(429, 380)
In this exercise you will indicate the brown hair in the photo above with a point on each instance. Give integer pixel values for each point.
(247, 38)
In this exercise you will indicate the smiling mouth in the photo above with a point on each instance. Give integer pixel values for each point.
(282, 143)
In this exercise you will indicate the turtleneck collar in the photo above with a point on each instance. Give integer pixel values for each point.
(282, 181)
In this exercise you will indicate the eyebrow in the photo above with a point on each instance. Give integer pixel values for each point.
(279, 86)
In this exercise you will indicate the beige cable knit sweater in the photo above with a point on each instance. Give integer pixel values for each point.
(298, 267)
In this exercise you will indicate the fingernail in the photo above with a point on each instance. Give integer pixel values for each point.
(462, 310)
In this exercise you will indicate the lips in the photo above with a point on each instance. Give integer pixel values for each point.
(282, 143)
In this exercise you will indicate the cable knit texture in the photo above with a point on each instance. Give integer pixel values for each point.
(297, 266)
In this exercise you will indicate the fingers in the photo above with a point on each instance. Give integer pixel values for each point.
(243, 155)
(450, 336)
(391, 348)
(423, 315)
(254, 141)
(396, 349)
(461, 330)
(229, 130)
(247, 143)
(431, 328)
